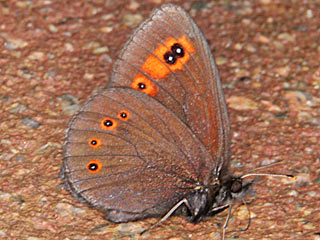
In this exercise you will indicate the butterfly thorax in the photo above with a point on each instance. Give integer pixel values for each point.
(200, 201)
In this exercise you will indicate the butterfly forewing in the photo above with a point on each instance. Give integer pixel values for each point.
(190, 87)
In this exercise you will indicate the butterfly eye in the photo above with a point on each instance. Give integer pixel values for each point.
(94, 142)
(236, 186)
(94, 166)
(177, 49)
(170, 58)
(108, 124)
(124, 115)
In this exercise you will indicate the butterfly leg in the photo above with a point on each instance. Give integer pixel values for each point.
(225, 225)
(168, 214)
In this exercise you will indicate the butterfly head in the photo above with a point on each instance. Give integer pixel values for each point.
(212, 199)
(231, 189)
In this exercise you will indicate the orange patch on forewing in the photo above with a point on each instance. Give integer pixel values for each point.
(95, 142)
(123, 113)
(103, 125)
(149, 89)
(157, 68)
(94, 166)
(154, 66)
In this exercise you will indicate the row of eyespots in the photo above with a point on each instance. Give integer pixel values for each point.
(94, 166)
(111, 124)
(175, 57)
(176, 52)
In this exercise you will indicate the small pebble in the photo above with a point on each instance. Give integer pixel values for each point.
(31, 123)
(241, 103)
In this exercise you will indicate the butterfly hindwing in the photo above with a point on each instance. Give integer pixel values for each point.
(124, 149)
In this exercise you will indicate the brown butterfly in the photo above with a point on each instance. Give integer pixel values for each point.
(157, 140)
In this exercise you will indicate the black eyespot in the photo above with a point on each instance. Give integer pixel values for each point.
(236, 186)
(108, 123)
(93, 166)
(177, 49)
(124, 115)
(95, 142)
(141, 85)
(170, 58)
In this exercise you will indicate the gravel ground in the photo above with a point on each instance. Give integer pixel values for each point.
(55, 54)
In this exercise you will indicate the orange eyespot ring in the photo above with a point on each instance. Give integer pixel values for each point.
(94, 166)
(167, 57)
(95, 142)
(143, 84)
(124, 115)
(108, 124)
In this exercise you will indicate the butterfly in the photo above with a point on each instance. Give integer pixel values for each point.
(157, 139)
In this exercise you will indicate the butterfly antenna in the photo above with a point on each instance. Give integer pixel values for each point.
(265, 166)
(249, 173)
(168, 214)
(267, 174)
